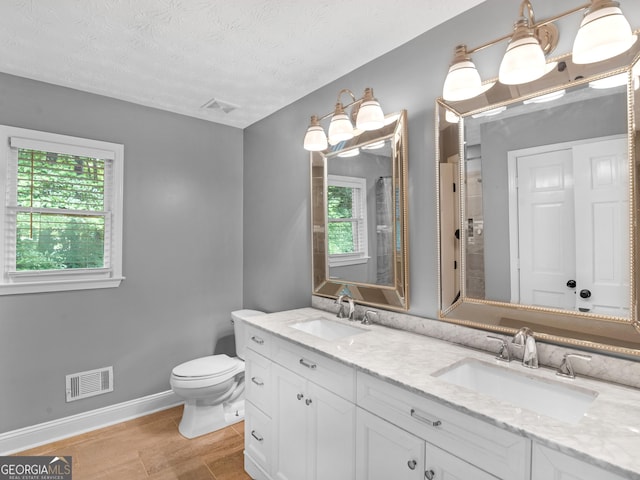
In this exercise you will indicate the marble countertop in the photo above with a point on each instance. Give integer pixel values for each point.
(608, 435)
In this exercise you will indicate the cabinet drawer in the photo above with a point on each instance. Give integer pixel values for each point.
(441, 464)
(499, 452)
(258, 437)
(258, 384)
(323, 371)
(258, 340)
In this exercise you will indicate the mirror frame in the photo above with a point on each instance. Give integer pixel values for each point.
(395, 296)
(614, 335)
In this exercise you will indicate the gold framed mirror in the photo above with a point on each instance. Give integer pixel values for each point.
(359, 217)
(537, 206)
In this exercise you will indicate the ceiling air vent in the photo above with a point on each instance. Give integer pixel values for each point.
(89, 383)
(217, 104)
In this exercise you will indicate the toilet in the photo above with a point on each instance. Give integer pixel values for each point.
(213, 386)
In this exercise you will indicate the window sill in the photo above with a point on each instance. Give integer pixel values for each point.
(59, 286)
(345, 261)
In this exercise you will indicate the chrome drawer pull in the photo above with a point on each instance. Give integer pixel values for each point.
(429, 474)
(412, 464)
(417, 416)
(258, 340)
(308, 364)
(256, 436)
(257, 381)
(299, 396)
(308, 401)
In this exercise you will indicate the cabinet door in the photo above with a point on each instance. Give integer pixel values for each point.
(444, 466)
(551, 464)
(386, 452)
(332, 442)
(290, 425)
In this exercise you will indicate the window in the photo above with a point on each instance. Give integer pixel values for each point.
(61, 215)
(347, 220)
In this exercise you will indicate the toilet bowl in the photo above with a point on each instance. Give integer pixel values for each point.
(213, 386)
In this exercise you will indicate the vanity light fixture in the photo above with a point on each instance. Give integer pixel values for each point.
(366, 111)
(603, 34)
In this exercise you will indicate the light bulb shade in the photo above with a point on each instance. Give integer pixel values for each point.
(462, 82)
(315, 139)
(604, 33)
(370, 116)
(340, 128)
(523, 62)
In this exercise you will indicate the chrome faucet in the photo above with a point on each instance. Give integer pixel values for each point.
(524, 339)
(341, 312)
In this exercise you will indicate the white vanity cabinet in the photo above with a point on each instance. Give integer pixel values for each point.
(454, 445)
(258, 404)
(548, 463)
(314, 416)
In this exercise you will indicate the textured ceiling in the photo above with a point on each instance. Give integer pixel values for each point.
(252, 56)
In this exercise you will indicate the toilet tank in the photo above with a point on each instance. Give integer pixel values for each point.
(237, 318)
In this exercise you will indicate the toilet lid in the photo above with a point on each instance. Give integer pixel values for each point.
(210, 366)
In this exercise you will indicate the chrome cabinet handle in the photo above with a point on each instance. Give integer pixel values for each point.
(258, 340)
(308, 364)
(429, 474)
(412, 464)
(428, 421)
(308, 401)
(257, 381)
(256, 436)
(299, 396)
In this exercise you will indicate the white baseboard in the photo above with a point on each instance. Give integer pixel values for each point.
(36, 435)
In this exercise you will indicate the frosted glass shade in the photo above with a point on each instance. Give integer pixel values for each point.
(340, 129)
(315, 139)
(604, 33)
(523, 62)
(370, 116)
(462, 82)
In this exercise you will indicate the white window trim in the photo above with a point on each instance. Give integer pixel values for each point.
(361, 256)
(56, 281)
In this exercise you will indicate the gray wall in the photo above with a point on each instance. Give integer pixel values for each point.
(277, 245)
(182, 258)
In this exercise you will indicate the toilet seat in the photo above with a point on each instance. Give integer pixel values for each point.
(209, 370)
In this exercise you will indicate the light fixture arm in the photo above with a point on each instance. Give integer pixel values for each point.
(344, 107)
(535, 26)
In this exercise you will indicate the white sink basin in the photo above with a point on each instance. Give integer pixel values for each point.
(327, 329)
(547, 397)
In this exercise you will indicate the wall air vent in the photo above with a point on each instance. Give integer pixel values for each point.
(89, 383)
(217, 104)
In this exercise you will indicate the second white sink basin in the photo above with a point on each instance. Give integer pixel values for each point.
(327, 329)
(547, 397)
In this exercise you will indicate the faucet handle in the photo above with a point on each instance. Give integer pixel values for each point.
(566, 367)
(520, 338)
(338, 301)
(503, 353)
(366, 320)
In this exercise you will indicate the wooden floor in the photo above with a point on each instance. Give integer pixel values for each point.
(150, 447)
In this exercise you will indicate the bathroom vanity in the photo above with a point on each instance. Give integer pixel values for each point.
(331, 399)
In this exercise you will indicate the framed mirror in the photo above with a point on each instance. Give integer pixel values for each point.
(359, 217)
(538, 206)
